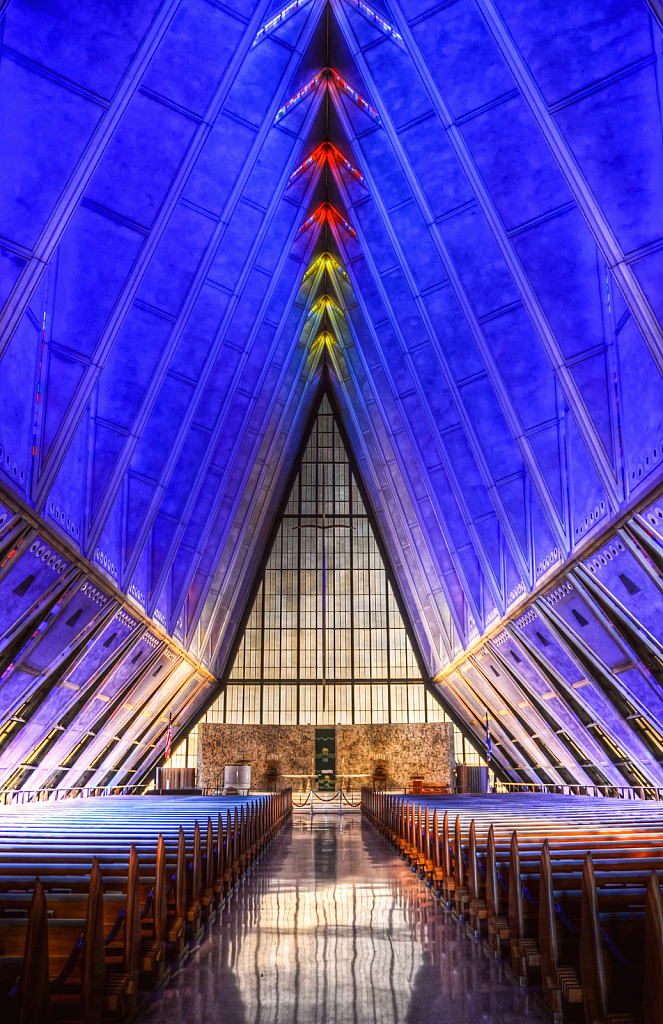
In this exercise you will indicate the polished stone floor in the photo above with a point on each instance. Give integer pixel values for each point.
(332, 928)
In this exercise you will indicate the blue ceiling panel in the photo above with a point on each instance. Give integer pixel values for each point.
(453, 335)
(440, 176)
(64, 376)
(461, 56)
(198, 336)
(88, 43)
(641, 406)
(236, 245)
(560, 256)
(141, 159)
(525, 371)
(545, 551)
(632, 175)
(159, 432)
(194, 54)
(68, 502)
(470, 484)
(385, 171)
(478, 261)
(38, 109)
(454, 234)
(18, 401)
(491, 537)
(253, 88)
(84, 291)
(596, 42)
(489, 422)
(513, 496)
(130, 366)
(277, 152)
(221, 159)
(138, 500)
(108, 444)
(401, 90)
(648, 271)
(182, 480)
(11, 265)
(548, 450)
(514, 586)
(502, 141)
(175, 260)
(108, 552)
(592, 375)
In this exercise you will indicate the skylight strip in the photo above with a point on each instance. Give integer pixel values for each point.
(377, 19)
(299, 96)
(306, 164)
(307, 223)
(315, 309)
(355, 96)
(334, 212)
(315, 265)
(325, 338)
(326, 148)
(346, 163)
(330, 212)
(278, 19)
(325, 302)
(337, 266)
(329, 264)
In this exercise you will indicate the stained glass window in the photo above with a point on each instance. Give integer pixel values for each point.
(366, 642)
(371, 671)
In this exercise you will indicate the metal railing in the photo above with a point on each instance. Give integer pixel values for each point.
(606, 791)
(26, 796)
(29, 796)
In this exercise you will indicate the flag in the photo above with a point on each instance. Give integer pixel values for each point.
(169, 736)
(487, 738)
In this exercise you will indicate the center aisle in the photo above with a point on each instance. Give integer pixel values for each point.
(332, 928)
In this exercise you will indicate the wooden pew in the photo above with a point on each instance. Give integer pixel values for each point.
(120, 913)
(75, 957)
(652, 988)
(24, 981)
(139, 915)
(581, 910)
(151, 894)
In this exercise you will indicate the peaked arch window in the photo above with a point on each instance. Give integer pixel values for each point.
(364, 653)
(371, 671)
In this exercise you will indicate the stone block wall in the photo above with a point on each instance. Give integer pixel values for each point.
(422, 750)
(418, 750)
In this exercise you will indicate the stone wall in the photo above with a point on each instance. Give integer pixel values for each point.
(424, 749)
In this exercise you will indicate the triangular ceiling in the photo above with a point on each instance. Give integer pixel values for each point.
(235, 200)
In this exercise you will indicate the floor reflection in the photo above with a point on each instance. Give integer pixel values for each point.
(330, 929)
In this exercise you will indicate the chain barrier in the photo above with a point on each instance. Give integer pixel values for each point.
(338, 799)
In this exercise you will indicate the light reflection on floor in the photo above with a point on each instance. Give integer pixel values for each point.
(333, 928)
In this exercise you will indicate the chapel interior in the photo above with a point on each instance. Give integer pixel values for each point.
(331, 511)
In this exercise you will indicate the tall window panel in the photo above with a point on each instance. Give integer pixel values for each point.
(324, 533)
(371, 671)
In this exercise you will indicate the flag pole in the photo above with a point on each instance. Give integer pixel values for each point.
(169, 737)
